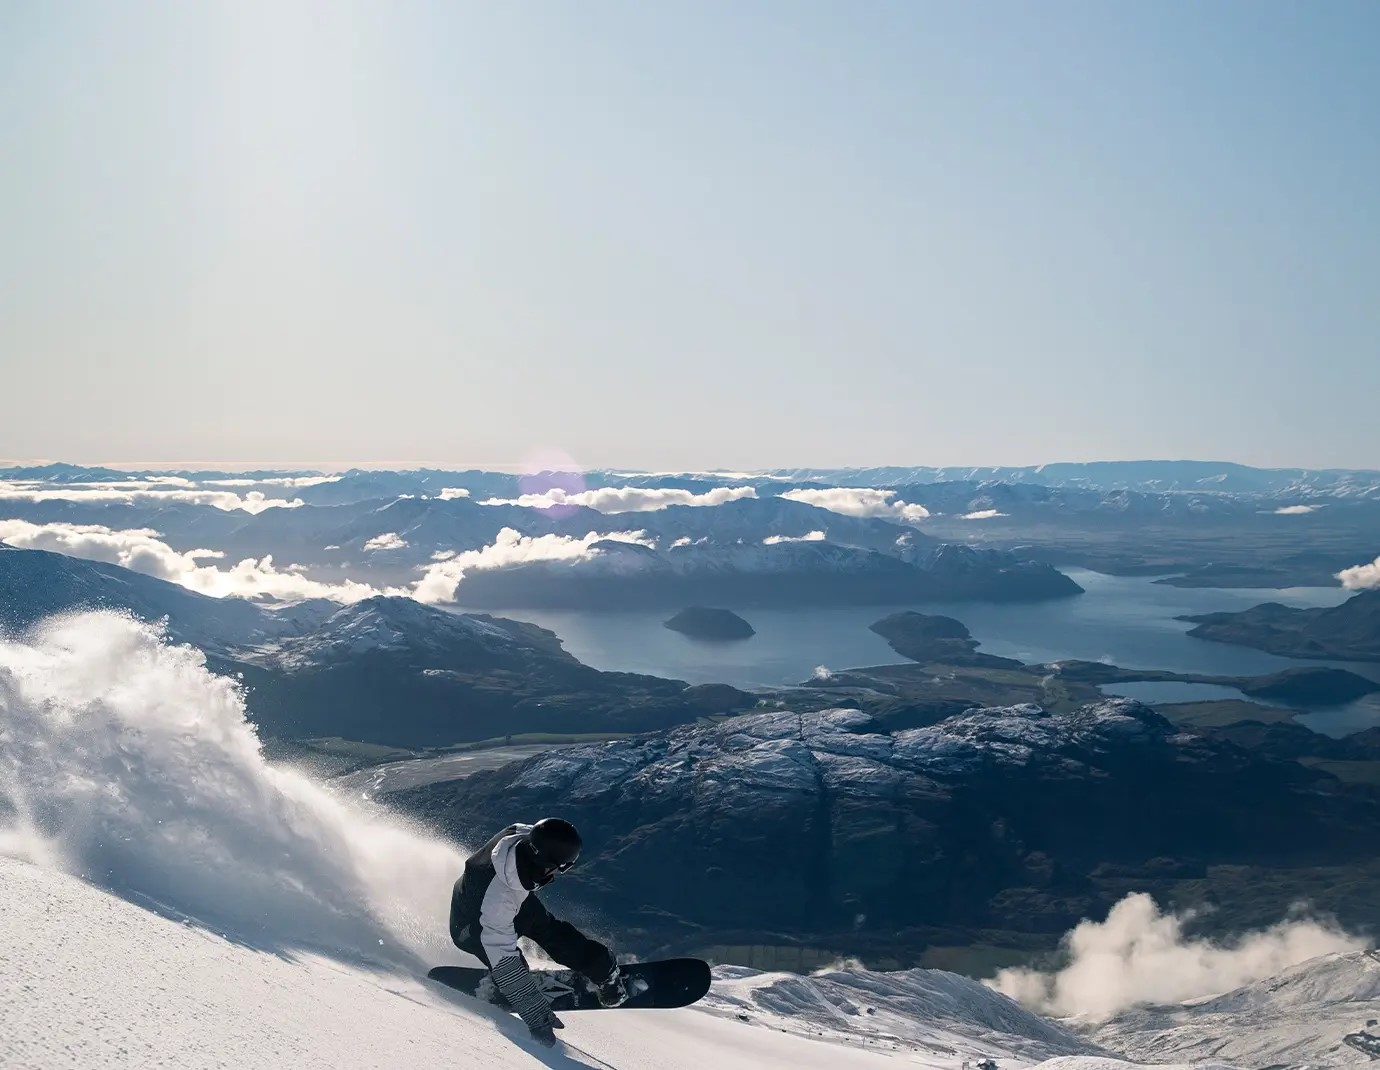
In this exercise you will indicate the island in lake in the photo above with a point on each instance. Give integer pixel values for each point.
(700, 622)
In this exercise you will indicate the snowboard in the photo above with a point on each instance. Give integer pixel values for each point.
(663, 983)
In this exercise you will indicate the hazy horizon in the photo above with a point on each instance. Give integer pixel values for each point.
(556, 465)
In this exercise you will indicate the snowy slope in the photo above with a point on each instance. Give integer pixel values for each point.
(936, 1016)
(95, 981)
(1315, 1013)
(262, 919)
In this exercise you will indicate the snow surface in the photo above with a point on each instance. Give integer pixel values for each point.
(170, 898)
(1315, 1013)
(93, 980)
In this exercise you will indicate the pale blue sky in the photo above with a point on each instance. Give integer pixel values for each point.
(673, 235)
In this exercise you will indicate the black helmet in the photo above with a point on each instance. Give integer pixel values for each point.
(555, 844)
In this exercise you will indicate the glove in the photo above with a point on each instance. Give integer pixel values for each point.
(612, 991)
(519, 988)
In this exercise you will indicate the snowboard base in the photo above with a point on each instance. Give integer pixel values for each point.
(660, 984)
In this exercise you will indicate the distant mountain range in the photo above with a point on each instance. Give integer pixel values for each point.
(747, 552)
(1148, 476)
(1195, 523)
(1217, 477)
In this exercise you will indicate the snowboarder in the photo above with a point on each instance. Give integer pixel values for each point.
(493, 904)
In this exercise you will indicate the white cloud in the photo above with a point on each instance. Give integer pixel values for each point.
(253, 502)
(686, 540)
(141, 551)
(511, 547)
(982, 514)
(443, 555)
(627, 499)
(859, 501)
(1361, 577)
(389, 540)
(1139, 955)
(813, 536)
(451, 493)
(1296, 510)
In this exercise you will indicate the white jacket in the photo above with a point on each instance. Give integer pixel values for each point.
(502, 900)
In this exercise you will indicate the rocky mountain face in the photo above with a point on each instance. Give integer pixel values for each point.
(1348, 632)
(827, 829)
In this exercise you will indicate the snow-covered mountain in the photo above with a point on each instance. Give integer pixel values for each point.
(35, 584)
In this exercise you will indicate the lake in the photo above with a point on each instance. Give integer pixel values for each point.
(1125, 620)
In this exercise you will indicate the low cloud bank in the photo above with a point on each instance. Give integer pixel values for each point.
(982, 514)
(255, 501)
(140, 550)
(1361, 577)
(511, 547)
(389, 540)
(811, 536)
(859, 501)
(1140, 955)
(1296, 510)
(625, 499)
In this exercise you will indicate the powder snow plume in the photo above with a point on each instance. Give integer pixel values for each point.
(1140, 955)
(125, 761)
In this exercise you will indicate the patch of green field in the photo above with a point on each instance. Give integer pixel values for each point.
(1219, 714)
(1346, 771)
(529, 739)
(976, 960)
